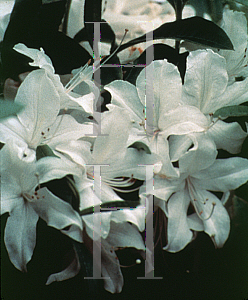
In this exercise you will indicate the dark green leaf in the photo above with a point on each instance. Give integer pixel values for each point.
(37, 25)
(9, 108)
(140, 146)
(232, 111)
(110, 206)
(43, 151)
(195, 29)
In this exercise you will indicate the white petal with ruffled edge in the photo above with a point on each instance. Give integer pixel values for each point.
(205, 80)
(40, 59)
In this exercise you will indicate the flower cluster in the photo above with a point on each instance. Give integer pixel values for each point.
(174, 125)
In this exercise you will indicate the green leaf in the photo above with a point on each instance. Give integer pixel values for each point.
(108, 206)
(195, 29)
(141, 146)
(9, 108)
(43, 151)
(232, 111)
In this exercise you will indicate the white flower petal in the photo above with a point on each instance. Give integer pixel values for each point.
(41, 60)
(234, 23)
(200, 156)
(125, 95)
(178, 232)
(78, 151)
(218, 225)
(113, 141)
(160, 146)
(183, 120)
(49, 168)
(65, 129)
(163, 187)
(120, 235)
(11, 128)
(41, 104)
(178, 146)
(131, 165)
(165, 83)
(223, 175)
(195, 223)
(58, 214)
(20, 234)
(69, 272)
(235, 94)
(205, 80)
(227, 136)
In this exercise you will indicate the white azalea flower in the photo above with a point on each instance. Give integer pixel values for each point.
(115, 230)
(169, 117)
(25, 202)
(109, 150)
(39, 123)
(88, 93)
(234, 23)
(206, 88)
(193, 188)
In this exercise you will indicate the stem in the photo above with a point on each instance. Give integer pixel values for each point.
(178, 10)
